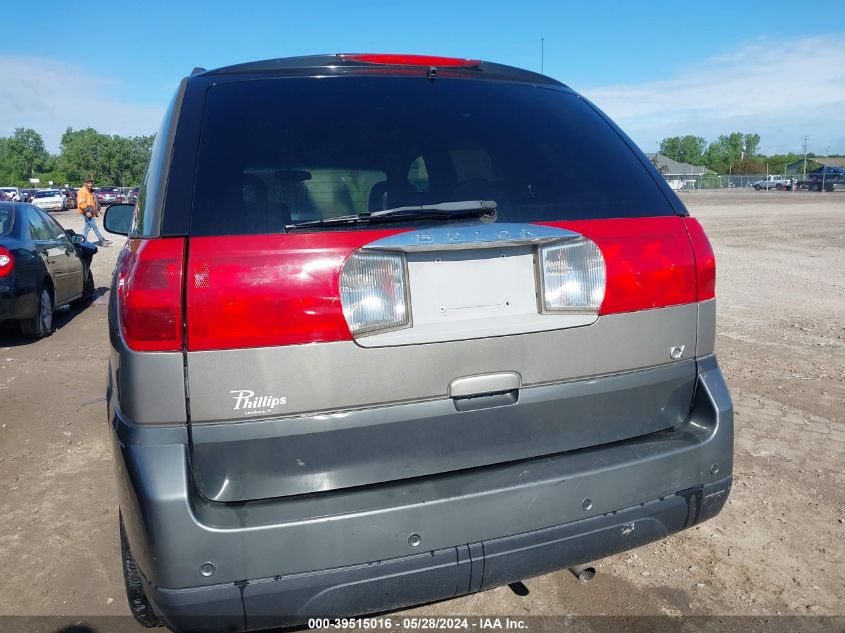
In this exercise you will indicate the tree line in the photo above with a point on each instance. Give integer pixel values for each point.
(106, 159)
(734, 153)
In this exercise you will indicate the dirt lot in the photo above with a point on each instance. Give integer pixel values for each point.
(777, 548)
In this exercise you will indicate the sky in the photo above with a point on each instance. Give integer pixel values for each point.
(657, 68)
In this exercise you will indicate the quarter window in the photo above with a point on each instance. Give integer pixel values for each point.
(37, 226)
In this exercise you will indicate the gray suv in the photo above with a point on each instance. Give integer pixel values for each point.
(382, 334)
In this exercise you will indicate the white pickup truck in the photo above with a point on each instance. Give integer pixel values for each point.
(773, 182)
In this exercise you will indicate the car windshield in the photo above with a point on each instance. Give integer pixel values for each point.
(46, 194)
(280, 151)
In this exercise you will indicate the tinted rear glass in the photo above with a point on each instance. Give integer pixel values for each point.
(288, 150)
(7, 218)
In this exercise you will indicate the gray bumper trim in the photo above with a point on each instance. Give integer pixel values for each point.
(436, 575)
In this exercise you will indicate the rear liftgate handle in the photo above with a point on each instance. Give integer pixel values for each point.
(485, 390)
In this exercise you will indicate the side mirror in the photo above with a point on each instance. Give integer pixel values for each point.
(118, 218)
(76, 239)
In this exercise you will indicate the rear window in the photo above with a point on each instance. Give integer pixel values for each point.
(278, 151)
(46, 194)
(7, 218)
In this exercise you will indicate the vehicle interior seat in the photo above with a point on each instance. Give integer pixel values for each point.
(259, 215)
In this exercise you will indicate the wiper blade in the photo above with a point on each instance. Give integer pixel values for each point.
(442, 210)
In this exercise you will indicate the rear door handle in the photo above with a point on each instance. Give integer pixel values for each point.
(485, 384)
(485, 391)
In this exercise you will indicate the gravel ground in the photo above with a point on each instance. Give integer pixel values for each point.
(777, 548)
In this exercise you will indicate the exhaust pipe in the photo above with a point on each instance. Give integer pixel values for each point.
(584, 573)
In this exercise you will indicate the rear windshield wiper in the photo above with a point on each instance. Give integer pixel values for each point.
(442, 210)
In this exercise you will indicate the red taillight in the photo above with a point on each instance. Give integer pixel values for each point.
(260, 290)
(410, 60)
(705, 260)
(649, 261)
(7, 262)
(149, 286)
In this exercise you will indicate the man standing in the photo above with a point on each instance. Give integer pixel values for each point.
(88, 207)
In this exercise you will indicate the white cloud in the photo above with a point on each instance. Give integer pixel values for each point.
(780, 89)
(49, 96)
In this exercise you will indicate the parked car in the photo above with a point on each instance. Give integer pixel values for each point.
(428, 352)
(108, 195)
(70, 196)
(27, 195)
(49, 200)
(42, 267)
(773, 182)
(11, 193)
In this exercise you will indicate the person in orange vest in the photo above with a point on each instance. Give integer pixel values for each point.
(86, 204)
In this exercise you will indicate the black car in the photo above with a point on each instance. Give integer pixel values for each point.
(42, 267)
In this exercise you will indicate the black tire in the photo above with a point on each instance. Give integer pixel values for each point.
(757, 187)
(88, 290)
(779, 187)
(139, 605)
(40, 325)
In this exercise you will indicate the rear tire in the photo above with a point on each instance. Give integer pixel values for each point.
(757, 187)
(139, 605)
(40, 325)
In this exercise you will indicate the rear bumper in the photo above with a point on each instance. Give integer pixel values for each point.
(347, 552)
(434, 575)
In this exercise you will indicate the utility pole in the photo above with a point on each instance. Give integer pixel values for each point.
(805, 159)
(542, 55)
(824, 165)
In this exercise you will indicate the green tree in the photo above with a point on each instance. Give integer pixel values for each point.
(24, 155)
(729, 149)
(684, 149)
(748, 166)
(80, 155)
(108, 160)
(751, 144)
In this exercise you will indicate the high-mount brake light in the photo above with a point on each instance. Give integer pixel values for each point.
(410, 60)
(572, 277)
(149, 285)
(7, 262)
(374, 292)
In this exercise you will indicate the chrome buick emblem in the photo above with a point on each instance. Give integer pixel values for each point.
(475, 236)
